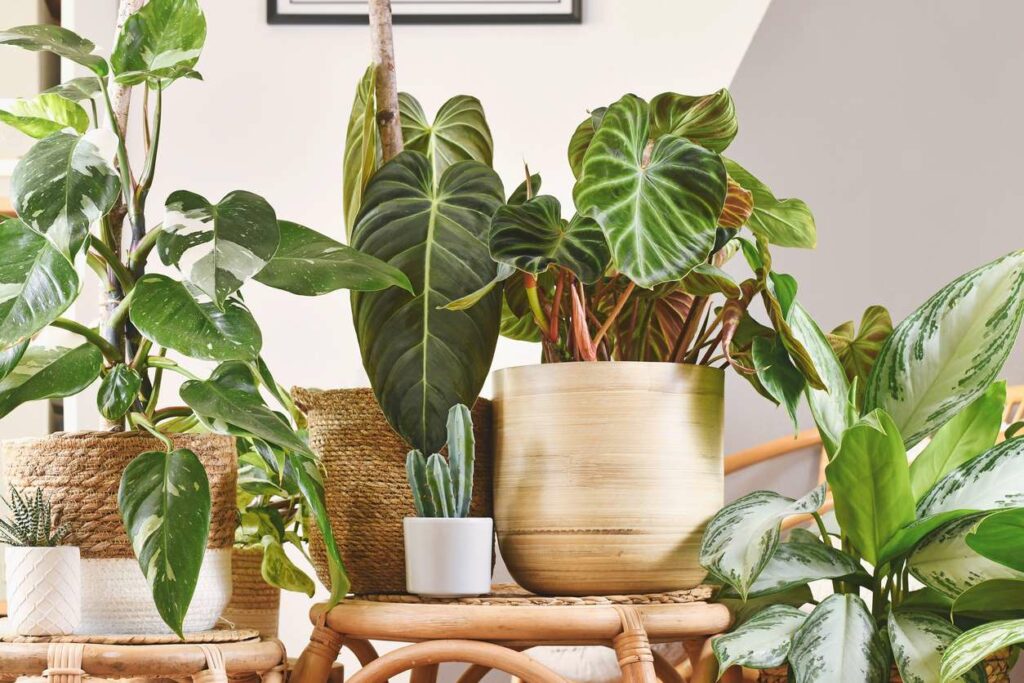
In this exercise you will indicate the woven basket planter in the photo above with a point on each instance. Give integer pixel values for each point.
(997, 670)
(367, 493)
(255, 604)
(80, 473)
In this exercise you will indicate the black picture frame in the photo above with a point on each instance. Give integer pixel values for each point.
(575, 17)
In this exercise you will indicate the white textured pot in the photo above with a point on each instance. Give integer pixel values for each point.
(448, 557)
(44, 590)
(116, 597)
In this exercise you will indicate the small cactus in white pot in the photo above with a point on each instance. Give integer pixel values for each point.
(44, 584)
(447, 552)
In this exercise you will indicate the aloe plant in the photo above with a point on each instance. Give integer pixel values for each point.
(31, 522)
(444, 488)
(951, 518)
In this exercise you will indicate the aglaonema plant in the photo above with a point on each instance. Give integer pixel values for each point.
(926, 567)
(77, 192)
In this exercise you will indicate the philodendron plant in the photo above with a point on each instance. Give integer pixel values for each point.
(76, 191)
(444, 488)
(951, 519)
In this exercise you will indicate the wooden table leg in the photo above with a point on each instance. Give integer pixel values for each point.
(633, 648)
(424, 674)
(314, 665)
(705, 666)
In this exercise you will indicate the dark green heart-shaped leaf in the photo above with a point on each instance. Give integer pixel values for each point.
(708, 120)
(64, 184)
(839, 643)
(60, 41)
(310, 264)
(527, 190)
(533, 236)
(160, 42)
(362, 153)
(581, 139)
(77, 89)
(918, 640)
(118, 391)
(43, 373)
(164, 500)
(218, 246)
(278, 570)
(37, 283)
(857, 350)
(658, 206)
(458, 133)
(165, 312)
(785, 222)
(707, 280)
(1000, 538)
(44, 115)
(422, 359)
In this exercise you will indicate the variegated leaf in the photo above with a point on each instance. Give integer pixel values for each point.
(58, 40)
(459, 132)
(839, 643)
(708, 120)
(739, 204)
(990, 481)
(45, 114)
(740, 540)
(162, 41)
(970, 649)
(762, 642)
(795, 564)
(43, 373)
(362, 154)
(857, 350)
(918, 640)
(948, 351)
(77, 89)
(743, 611)
(784, 222)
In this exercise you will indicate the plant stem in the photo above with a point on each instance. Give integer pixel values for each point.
(689, 327)
(530, 285)
(619, 305)
(383, 45)
(140, 420)
(168, 364)
(557, 302)
(120, 314)
(109, 351)
(140, 252)
(148, 171)
(125, 278)
(173, 411)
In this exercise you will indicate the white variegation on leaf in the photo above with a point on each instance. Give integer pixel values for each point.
(990, 481)
(762, 642)
(839, 643)
(918, 640)
(948, 351)
(58, 40)
(794, 564)
(43, 373)
(160, 42)
(971, 648)
(739, 541)
(45, 114)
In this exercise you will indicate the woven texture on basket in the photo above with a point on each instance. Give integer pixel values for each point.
(367, 492)
(80, 472)
(997, 670)
(255, 604)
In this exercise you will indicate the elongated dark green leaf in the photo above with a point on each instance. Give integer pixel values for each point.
(278, 570)
(37, 283)
(762, 642)
(778, 375)
(362, 154)
(218, 246)
(1000, 538)
(970, 649)
(60, 41)
(971, 431)
(658, 207)
(708, 120)
(870, 481)
(991, 600)
(43, 373)
(422, 359)
(164, 500)
(858, 349)
(118, 391)
(533, 236)
(796, 564)
(458, 133)
(161, 42)
(990, 481)
(948, 351)
(165, 312)
(64, 184)
(839, 643)
(784, 222)
(77, 89)
(918, 640)
(44, 115)
(310, 264)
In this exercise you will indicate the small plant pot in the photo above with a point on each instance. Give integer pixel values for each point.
(44, 590)
(448, 557)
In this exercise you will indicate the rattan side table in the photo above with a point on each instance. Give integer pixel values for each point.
(490, 632)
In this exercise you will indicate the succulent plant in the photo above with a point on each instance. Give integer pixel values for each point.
(31, 522)
(444, 488)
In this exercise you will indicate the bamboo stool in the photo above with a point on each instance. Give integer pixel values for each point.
(210, 657)
(490, 632)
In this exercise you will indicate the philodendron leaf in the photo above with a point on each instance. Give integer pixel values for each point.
(64, 184)
(77, 89)
(857, 350)
(60, 41)
(37, 283)
(948, 351)
(533, 236)
(777, 374)
(43, 373)
(118, 391)
(458, 133)
(161, 42)
(783, 222)
(164, 501)
(970, 649)
(991, 600)
(1000, 538)
(839, 643)
(762, 642)
(362, 155)
(528, 189)
(708, 280)
(278, 570)
(165, 312)
(581, 139)
(739, 205)
(708, 120)
(971, 431)
(870, 482)
(796, 564)
(504, 272)
(218, 246)
(422, 359)
(918, 640)
(310, 264)
(658, 206)
(44, 115)
(739, 541)
(990, 481)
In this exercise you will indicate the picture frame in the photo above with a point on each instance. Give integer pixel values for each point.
(429, 11)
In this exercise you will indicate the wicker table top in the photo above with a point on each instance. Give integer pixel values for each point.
(511, 595)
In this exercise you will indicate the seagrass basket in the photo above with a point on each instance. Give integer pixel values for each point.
(367, 493)
(255, 604)
(997, 670)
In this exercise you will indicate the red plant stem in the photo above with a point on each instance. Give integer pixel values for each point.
(615, 312)
(584, 346)
(689, 328)
(555, 305)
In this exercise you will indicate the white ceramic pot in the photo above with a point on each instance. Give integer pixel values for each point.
(448, 557)
(44, 590)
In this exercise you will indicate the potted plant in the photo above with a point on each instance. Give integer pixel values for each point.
(44, 584)
(81, 198)
(447, 552)
(948, 521)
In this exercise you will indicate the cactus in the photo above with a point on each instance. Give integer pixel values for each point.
(444, 488)
(31, 522)
(461, 454)
(416, 469)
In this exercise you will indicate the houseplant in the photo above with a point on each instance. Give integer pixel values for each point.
(949, 519)
(447, 552)
(74, 204)
(44, 582)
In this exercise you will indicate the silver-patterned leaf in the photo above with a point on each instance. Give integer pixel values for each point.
(45, 114)
(970, 649)
(990, 481)
(839, 643)
(459, 132)
(795, 564)
(762, 642)
(918, 640)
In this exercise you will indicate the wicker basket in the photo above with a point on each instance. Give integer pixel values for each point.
(997, 670)
(255, 604)
(367, 493)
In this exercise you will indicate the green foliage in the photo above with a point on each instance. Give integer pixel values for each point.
(160, 43)
(45, 115)
(118, 391)
(31, 522)
(444, 488)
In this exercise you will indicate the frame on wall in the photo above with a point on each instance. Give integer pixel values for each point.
(428, 12)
